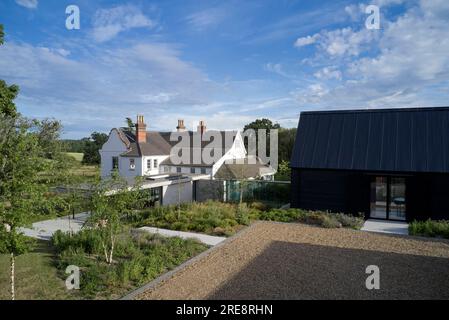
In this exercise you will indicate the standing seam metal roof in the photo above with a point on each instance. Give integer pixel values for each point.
(401, 140)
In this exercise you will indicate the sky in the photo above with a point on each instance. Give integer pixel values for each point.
(224, 62)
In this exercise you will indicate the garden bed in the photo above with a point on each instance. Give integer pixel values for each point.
(225, 219)
(138, 258)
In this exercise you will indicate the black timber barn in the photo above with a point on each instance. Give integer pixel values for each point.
(386, 163)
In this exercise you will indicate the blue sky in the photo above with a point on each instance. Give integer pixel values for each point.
(225, 62)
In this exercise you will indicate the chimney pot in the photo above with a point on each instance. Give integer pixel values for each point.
(201, 127)
(141, 130)
(181, 126)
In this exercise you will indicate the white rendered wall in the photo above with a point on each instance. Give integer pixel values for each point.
(173, 194)
(113, 147)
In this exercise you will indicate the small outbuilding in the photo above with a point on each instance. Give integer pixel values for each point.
(390, 164)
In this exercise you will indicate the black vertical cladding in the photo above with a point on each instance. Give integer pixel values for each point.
(338, 153)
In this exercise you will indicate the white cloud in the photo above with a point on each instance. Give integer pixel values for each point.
(345, 41)
(276, 68)
(328, 73)
(108, 85)
(110, 22)
(404, 64)
(30, 4)
(305, 41)
(206, 18)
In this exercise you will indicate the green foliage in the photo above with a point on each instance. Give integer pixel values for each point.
(430, 228)
(139, 258)
(218, 218)
(284, 172)
(209, 217)
(27, 154)
(286, 143)
(2, 34)
(319, 218)
(92, 146)
(262, 124)
(7, 96)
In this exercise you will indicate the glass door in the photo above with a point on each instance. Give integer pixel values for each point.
(379, 198)
(397, 199)
(388, 198)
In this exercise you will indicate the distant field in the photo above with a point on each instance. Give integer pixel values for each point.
(77, 156)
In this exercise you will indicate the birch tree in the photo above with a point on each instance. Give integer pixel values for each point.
(112, 201)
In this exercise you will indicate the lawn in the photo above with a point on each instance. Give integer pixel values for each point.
(86, 173)
(36, 276)
(78, 156)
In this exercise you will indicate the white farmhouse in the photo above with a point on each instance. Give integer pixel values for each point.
(217, 154)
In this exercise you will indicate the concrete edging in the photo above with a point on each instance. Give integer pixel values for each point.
(154, 283)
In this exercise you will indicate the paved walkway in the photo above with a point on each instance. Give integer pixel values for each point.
(44, 230)
(209, 240)
(393, 227)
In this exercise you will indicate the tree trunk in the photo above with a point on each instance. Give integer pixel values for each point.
(13, 294)
(112, 249)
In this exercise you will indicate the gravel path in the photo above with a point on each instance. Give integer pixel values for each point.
(293, 261)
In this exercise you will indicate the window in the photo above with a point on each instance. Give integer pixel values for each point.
(178, 169)
(192, 170)
(388, 198)
(114, 163)
(203, 170)
(149, 164)
(166, 169)
(155, 164)
(132, 164)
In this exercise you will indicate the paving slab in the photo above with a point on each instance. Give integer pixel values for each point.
(44, 230)
(206, 239)
(392, 227)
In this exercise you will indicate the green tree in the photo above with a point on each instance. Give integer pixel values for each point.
(264, 123)
(130, 124)
(26, 173)
(112, 201)
(92, 146)
(2, 34)
(7, 93)
(286, 143)
(29, 165)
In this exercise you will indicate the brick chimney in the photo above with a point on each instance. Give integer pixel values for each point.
(141, 130)
(201, 127)
(181, 126)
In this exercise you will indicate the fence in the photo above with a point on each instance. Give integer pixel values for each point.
(273, 193)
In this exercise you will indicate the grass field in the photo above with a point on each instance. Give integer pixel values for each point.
(36, 276)
(77, 156)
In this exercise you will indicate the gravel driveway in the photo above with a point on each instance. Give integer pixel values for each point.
(293, 261)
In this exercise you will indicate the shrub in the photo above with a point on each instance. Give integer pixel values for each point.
(139, 258)
(319, 218)
(349, 221)
(287, 215)
(430, 228)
